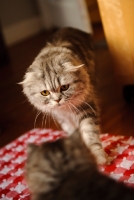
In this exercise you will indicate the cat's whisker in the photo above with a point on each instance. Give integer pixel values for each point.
(24, 101)
(77, 111)
(83, 110)
(46, 118)
(71, 110)
(75, 108)
(49, 118)
(84, 103)
(54, 120)
(88, 105)
(38, 113)
(43, 119)
(69, 107)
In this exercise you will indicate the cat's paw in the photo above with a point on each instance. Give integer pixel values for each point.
(101, 157)
(109, 160)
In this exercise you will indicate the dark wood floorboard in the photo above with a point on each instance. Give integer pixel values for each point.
(17, 115)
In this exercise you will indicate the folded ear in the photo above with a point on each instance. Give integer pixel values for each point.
(69, 67)
(27, 78)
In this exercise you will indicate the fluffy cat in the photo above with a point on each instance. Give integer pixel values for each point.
(60, 82)
(65, 170)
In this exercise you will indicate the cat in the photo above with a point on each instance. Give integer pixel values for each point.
(61, 82)
(66, 170)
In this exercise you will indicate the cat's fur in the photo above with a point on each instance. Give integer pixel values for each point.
(67, 61)
(66, 170)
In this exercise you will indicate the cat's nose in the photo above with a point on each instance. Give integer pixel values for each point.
(58, 100)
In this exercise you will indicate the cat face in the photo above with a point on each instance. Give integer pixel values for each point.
(52, 86)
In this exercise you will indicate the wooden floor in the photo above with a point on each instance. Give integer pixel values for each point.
(17, 115)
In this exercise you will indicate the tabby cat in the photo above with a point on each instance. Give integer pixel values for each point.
(65, 170)
(61, 82)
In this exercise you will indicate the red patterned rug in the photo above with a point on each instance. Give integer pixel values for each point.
(13, 156)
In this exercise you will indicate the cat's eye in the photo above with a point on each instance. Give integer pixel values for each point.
(45, 92)
(64, 87)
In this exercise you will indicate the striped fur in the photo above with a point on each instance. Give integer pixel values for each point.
(66, 170)
(67, 59)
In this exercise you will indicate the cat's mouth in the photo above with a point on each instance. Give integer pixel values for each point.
(59, 105)
(55, 104)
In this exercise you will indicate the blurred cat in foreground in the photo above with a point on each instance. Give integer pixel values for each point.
(66, 170)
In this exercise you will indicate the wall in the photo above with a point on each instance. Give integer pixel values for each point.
(19, 19)
(23, 18)
(61, 13)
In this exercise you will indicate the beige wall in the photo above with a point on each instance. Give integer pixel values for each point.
(63, 13)
(13, 11)
(19, 19)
